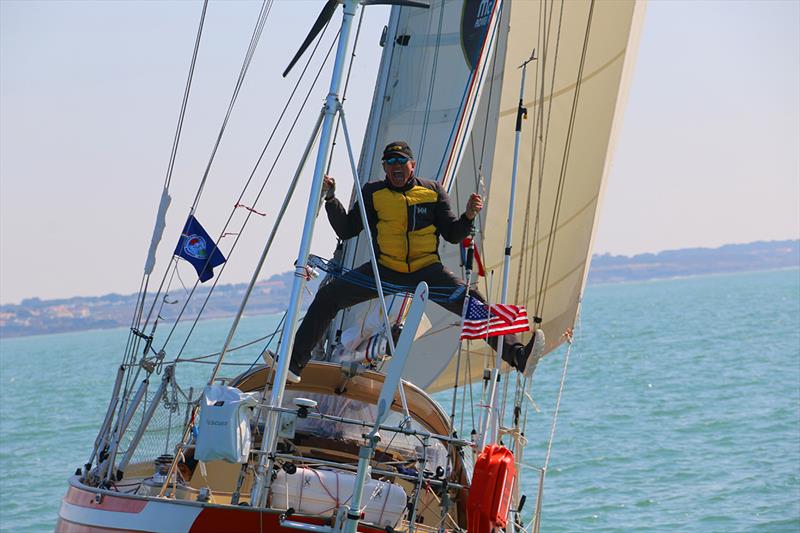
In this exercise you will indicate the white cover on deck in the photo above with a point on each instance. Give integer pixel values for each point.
(224, 427)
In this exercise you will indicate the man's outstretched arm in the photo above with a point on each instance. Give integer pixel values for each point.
(454, 229)
(346, 225)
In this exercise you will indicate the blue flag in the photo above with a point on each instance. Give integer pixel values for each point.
(197, 247)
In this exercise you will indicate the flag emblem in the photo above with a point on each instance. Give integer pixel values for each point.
(505, 319)
(195, 246)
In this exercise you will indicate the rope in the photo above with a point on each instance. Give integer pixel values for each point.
(266, 7)
(544, 134)
(564, 164)
(432, 84)
(264, 183)
(440, 293)
(538, 512)
(215, 354)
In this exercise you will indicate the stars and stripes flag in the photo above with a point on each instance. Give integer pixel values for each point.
(505, 319)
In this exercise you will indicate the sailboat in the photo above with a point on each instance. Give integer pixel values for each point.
(519, 101)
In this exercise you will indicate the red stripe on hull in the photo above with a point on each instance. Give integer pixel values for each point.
(121, 504)
(214, 520)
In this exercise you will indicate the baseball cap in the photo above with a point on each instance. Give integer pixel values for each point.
(395, 148)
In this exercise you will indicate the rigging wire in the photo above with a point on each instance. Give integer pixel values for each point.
(249, 179)
(264, 184)
(537, 136)
(432, 84)
(173, 152)
(132, 343)
(184, 102)
(249, 214)
(564, 164)
(266, 7)
(545, 136)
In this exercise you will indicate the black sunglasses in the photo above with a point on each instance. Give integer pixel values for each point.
(397, 160)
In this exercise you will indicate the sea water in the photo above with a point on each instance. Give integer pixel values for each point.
(680, 409)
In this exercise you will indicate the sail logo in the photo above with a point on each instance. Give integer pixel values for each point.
(475, 19)
(484, 12)
(422, 210)
(195, 246)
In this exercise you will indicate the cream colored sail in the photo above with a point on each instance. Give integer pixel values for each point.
(575, 94)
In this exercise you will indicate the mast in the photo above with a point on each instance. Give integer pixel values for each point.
(331, 108)
(522, 112)
(287, 336)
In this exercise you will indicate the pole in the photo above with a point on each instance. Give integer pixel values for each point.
(260, 485)
(521, 113)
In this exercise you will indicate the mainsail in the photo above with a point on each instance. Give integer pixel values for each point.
(454, 95)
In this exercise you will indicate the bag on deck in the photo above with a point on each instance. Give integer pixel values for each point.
(224, 427)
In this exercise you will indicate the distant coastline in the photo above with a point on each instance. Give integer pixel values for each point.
(760, 255)
(37, 317)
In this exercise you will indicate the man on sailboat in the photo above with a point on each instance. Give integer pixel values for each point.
(406, 215)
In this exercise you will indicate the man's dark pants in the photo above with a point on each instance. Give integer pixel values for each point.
(342, 293)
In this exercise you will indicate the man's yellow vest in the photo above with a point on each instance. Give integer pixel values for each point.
(405, 222)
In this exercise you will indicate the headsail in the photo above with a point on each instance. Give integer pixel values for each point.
(460, 120)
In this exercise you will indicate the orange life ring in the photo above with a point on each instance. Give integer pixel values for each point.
(491, 491)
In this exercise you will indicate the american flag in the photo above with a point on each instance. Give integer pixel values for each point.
(505, 319)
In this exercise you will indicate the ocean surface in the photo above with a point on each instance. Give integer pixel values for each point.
(680, 412)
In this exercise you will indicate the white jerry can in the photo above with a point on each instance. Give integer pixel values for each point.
(320, 492)
(223, 431)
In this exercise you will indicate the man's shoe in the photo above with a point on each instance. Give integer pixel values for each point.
(292, 377)
(269, 357)
(269, 360)
(528, 356)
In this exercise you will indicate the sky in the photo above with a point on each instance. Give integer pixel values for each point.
(90, 94)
